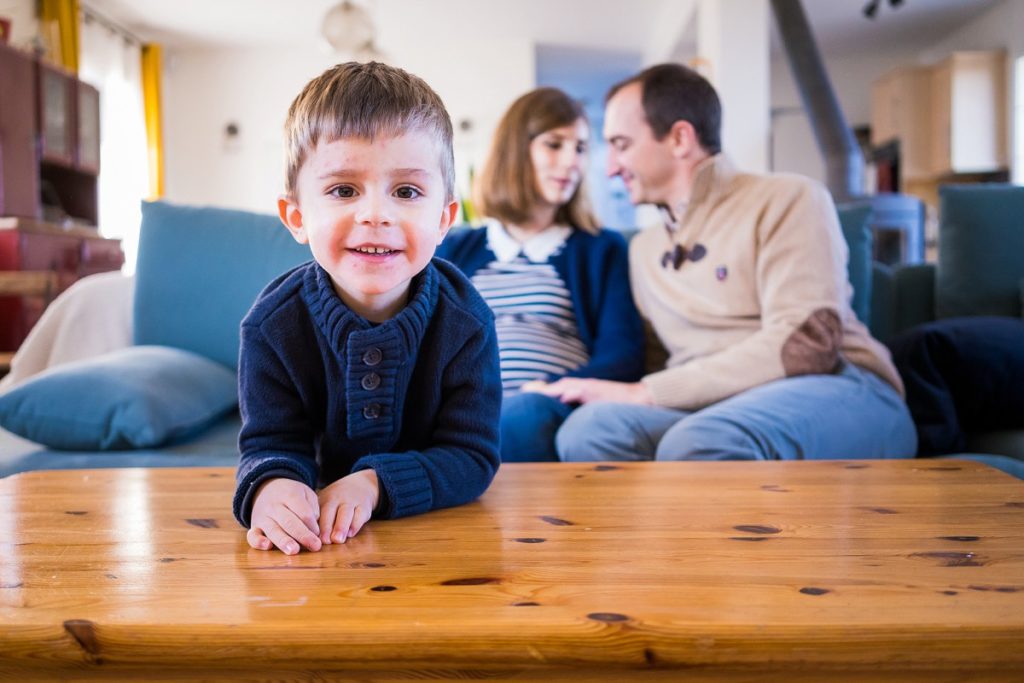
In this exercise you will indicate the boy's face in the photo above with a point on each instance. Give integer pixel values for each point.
(372, 213)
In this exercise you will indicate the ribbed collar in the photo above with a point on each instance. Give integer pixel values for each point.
(537, 249)
(337, 321)
(710, 178)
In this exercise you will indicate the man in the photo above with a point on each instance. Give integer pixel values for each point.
(746, 289)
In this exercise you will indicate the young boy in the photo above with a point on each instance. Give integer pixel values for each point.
(371, 371)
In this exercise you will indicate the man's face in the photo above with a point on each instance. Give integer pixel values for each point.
(372, 213)
(644, 164)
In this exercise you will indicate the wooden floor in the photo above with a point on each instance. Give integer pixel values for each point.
(835, 571)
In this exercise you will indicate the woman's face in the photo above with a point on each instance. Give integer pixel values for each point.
(559, 156)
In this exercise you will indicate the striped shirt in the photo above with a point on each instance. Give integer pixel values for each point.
(537, 333)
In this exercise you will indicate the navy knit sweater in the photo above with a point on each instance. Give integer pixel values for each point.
(323, 392)
(595, 268)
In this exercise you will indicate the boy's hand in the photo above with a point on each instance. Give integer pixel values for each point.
(284, 514)
(346, 505)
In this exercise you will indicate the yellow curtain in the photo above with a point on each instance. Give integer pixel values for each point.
(59, 19)
(154, 135)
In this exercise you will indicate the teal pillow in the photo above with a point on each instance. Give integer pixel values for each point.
(199, 271)
(139, 397)
(981, 242)
(853, 218)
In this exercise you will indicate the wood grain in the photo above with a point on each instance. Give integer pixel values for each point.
(28, 283)
(907, 570)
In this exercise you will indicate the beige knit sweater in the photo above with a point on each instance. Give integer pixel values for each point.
(768, 299)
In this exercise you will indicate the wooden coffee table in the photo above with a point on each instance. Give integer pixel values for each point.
(796, 571)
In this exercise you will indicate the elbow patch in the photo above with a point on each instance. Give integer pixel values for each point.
(813, 348)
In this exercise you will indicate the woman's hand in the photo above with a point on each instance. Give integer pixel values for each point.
(579, 390)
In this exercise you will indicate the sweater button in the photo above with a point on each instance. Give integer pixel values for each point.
(371, 411)
(371, 381)
(373, 356)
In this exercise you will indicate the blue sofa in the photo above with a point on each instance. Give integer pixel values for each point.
(980, 272)
(199, 270)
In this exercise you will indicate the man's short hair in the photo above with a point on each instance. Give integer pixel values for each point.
(673, 92)
(366, 101)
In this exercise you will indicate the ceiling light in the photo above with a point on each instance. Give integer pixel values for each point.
(348, 28)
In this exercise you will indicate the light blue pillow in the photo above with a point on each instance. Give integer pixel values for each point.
(139, 397)
(200, 270)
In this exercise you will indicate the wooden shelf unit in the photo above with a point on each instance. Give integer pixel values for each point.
(950, 119)
(36, 252)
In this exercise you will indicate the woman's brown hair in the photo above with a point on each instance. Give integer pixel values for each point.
(506, 188)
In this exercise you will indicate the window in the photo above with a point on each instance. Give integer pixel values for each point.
(111, 62)
(1018, 122)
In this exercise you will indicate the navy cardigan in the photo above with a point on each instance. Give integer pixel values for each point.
(595, 268)
(323, 392)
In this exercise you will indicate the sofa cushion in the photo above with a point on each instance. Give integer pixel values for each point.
(139, 397)
(200, 269)
(981, 239)
(853, 218)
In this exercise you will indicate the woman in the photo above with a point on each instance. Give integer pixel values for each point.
(558, 285)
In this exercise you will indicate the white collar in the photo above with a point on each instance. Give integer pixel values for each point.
(537, 249)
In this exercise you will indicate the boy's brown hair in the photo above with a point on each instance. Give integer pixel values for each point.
(366, 101)
(507, 186)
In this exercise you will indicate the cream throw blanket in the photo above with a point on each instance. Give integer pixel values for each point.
(90, 318)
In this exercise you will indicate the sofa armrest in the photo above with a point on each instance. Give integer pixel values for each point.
(901, 297)
(883, 307)
(914, 300)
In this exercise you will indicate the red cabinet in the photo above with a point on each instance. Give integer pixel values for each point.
(27, 245)
(19, 174)
(56, 107)
(49, 163)
(49, 142)
(87, 124)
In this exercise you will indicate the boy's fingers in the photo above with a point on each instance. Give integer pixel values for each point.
(327, 513)
(313, 502)
(297, 529)
(342, 523)
(257, 539)
(307, 514)
(359, 517)
(285, 543)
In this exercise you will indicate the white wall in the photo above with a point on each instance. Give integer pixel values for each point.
(732, 41)
(204, 90)
(793, 147)
(1002, 27)
(24, 24)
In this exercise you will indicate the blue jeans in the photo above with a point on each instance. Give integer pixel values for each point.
(528, 426)
(852, 414)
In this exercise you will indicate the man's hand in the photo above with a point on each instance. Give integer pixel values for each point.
(284, 514)
(346, 505)
(577, 390)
